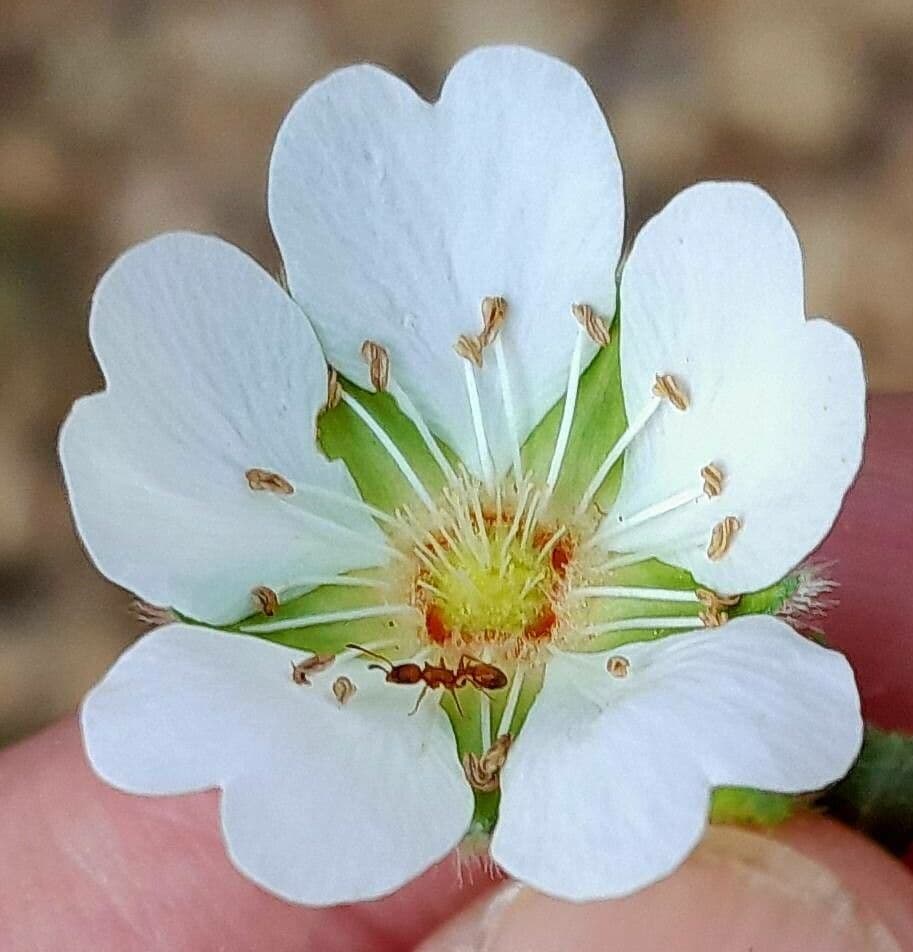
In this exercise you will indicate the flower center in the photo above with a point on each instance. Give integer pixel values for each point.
(489, 578)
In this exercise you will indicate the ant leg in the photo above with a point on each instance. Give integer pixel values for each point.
(456, 700)
(421, 697)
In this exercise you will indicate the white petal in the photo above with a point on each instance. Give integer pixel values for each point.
(211, 370)
(322, 803)
(606, 789)
(713, 294)
(395, 218)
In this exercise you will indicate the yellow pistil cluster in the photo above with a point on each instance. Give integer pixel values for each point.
(489, 574)
(503, 593)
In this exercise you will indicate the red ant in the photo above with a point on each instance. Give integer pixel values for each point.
(470, 670)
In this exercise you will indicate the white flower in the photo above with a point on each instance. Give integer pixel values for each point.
(475, 564)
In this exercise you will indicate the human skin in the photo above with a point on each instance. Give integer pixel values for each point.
(85, 867)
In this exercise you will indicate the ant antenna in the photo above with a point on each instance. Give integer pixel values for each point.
(373, 654)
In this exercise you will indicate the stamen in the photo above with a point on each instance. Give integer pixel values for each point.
(308, 582)
(510, 706)
(344, 689)
(530, 584)
(670, 546)
(722, 536)
(596, 327)
(334, 389)
(411, 410)
(485, 720)
(342, 530)
(636, 425)
(667, 387)
(480, 524)
(713, 619)
(712, 484)
(469, 348)
(618, 666)
(713, 480)
(342, 499)
(266, 600)
(567, 417)
(531, 517)
(470, 539)
(644, 594)
(607, 533)
(392, 449)
(550, 544)
(494, 313)
(425, 558)
(378, 361)
(328, 618)
(483, 772)
(715, 614)
(645, 624)
(302, 670)
(515, 522)
(439, 552)
(475, 408)
(428, 587)
(622, 561)
(510, 412)
(263, 480)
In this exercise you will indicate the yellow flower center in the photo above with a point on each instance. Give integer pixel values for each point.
(489, 577)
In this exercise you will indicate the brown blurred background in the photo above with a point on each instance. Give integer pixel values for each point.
(120, 119)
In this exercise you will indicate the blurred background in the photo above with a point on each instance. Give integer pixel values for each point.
(121, 119)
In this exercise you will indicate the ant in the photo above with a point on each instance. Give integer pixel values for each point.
(470, 670)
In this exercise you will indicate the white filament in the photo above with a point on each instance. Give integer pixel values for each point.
(485, 710)
(608, 532)
(327, 618)
(475, 408)
(645, 624)
(510, 707)
(392, 449)
(567, 417)
(509, 409)
(412, 411)
(638, 423)
(629, 591)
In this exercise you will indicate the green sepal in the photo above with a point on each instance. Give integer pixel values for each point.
(342, 435)
(743, 805)
(467, 732)
(599, 420)
(656, 574)
(770, 600)
(327, 638)
(876, 796)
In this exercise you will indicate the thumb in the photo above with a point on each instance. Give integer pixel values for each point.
(814, 885)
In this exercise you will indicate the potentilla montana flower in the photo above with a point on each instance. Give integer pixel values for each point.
(533, 598)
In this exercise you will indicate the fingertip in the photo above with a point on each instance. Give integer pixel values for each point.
(815, 886)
